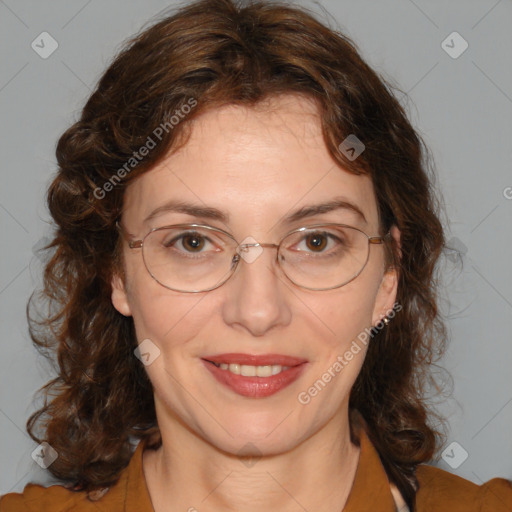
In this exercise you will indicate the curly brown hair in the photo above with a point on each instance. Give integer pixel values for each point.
(220, 52)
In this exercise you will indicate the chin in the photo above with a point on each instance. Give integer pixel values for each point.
(263, 436)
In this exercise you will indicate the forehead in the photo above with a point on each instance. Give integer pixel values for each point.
(256, 164)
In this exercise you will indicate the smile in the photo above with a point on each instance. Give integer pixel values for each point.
(255, 381)
(252, 371)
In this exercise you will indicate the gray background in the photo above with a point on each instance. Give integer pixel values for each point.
(461, 106)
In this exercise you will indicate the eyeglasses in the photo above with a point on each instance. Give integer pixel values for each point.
(194, 258)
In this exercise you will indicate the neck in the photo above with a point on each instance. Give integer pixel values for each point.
(188, 473)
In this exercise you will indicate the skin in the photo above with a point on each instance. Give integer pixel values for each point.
(257, 164)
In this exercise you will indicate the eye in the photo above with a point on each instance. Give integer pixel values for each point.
(318, 242)
(191, 242)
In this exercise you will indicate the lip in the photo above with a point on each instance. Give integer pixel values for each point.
(255, 360)
(255, 387)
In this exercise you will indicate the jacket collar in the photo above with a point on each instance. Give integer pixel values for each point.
(370, 490)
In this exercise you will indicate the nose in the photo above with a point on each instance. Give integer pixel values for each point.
(256, 296)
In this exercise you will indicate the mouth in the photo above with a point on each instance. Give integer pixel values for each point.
(255, 376)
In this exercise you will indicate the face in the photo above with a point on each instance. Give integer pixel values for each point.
(257, 165)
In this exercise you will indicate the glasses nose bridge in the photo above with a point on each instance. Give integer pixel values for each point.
(257, 244)
(242, 252)
(244, 247)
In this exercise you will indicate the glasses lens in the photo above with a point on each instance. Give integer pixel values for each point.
(324, 257)
(188, 259)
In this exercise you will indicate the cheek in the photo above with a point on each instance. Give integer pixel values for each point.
(339, 355)
(164, 316)
(343, 313)
(166, 319)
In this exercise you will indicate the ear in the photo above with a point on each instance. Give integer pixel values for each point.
(119, 297)
(386, 294)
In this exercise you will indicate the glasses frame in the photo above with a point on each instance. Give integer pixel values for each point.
(139, 244)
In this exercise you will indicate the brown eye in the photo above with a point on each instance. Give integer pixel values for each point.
(192, 242)
(186, 242)
(316, 242)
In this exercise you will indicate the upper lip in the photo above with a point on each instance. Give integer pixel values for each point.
(255, 360)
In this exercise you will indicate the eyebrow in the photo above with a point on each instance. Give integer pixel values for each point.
(216, 214)
(316, 209)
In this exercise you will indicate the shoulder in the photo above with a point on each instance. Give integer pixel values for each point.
(129, 487)
(442, 490)
(58, 498)
(38, 498)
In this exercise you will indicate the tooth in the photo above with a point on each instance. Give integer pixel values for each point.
(234, 368)
(264, 371)
(276, 368)
(248, 371)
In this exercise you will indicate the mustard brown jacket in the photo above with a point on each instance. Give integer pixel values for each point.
(440, 491)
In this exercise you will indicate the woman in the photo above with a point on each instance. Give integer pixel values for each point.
(242, 280)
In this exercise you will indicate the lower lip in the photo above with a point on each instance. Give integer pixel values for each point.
(256, 387)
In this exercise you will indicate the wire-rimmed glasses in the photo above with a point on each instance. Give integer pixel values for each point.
(193, 258)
